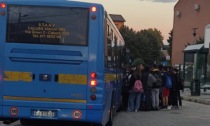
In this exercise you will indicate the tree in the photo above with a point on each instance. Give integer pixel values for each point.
(200, 40)
(128, 35)
(169, 40)
(137, 62)
(153, 41)
(144, 44)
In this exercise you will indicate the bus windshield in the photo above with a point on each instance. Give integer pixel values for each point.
(47, 25)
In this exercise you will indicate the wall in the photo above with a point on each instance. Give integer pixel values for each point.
(183, 25)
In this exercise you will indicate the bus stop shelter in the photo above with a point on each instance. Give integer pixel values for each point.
(195, 67)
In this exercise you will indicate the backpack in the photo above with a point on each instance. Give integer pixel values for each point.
(138, 86)
(158, 81)
(168, 82)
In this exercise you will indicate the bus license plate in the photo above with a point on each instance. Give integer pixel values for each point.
(43, 113)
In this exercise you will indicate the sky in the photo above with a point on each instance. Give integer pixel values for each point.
(142, 14)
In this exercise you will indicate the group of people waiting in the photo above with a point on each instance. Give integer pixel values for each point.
(161, 88)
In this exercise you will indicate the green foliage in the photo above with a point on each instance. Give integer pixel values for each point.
(200, 40)
(137, 62)
(144, 44)
(169, 40)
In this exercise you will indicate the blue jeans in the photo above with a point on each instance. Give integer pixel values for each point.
(134, 100)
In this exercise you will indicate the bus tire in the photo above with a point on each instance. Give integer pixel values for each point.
(25, 121)
(120, 108)
(111, 114)
(109, 123)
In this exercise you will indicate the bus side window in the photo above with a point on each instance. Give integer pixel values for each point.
(115, 57)
(109, 56)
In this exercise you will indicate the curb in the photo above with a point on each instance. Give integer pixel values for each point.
(197, 100)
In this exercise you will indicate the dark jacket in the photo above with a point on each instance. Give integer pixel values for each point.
(174, 81)
(133, 80)
(153, 72)
(180, 83)
(144, 80)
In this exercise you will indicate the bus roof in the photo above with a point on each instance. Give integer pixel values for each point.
(53, 3)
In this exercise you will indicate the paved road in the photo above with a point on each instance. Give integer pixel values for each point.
(191, 114)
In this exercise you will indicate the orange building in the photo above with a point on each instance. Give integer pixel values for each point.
(118, 20)
(190, 18)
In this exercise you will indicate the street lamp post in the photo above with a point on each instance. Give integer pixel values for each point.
(194, 34)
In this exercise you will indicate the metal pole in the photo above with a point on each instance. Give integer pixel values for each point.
(194, 34)
(184, 66)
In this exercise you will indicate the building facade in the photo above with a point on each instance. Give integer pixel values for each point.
(118, 20)
(190, 20)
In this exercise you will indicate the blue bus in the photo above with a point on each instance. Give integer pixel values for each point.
(60, 60)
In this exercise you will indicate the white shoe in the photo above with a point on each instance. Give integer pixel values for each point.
(136, 110)
(169, 107)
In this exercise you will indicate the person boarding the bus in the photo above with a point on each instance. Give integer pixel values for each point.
(134, 97)
(147, 88)
(156, 81)
(166, 88)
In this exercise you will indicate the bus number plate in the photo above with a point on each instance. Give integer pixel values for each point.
(41, 113)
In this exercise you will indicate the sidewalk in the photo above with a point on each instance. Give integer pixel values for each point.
(204, 97)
